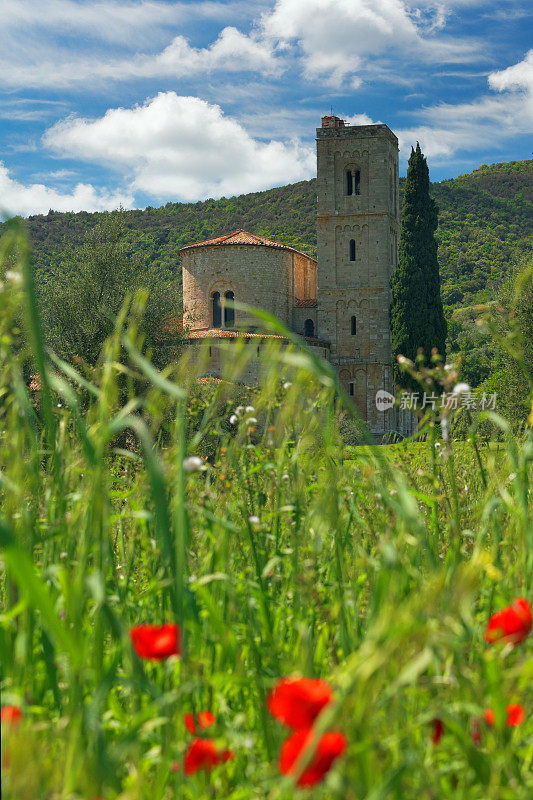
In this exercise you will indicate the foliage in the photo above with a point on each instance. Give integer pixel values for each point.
(484, 219)
(417, 318)
(82, 296)
(280, 557)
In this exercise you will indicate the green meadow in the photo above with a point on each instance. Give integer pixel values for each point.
(284, 552)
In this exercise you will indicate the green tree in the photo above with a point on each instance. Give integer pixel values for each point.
(417, 317)
(81, 297)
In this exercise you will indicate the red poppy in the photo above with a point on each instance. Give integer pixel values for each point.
(515, 715)
(438, 730)
(10, 716)
(476, 732)
(203, 754)
(175, 766)
(156, 641)
(205, 719)
(330, 746)
(297, 702)
(511, 624)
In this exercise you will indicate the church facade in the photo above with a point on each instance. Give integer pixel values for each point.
(340, 303)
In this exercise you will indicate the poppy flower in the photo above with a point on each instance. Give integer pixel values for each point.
(297, 702)
(515, 715)
(438, 730)
(330, 746)
(204, 754)
(156, 642)
(511, 624)
(10, 716)
(205, 719)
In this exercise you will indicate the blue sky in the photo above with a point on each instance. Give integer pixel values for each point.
(105, 102)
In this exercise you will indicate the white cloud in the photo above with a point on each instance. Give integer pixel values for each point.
(117, 21)
(232, 51)
(182, 148)
(36, 198)
(489, 121)
(337, 37)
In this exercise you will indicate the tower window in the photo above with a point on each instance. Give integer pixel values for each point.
(352, 389)
(353, 181)
(229, 310)
(217, 311)
(353, 326)
(352, 249)
(309, 328)
(349, 182)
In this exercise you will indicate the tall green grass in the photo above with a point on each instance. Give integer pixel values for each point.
(376, 569)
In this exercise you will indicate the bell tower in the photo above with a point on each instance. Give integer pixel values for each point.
(358, 231)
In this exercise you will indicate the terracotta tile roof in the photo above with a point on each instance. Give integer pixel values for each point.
(222, 333)
(243, 237)
(306, 303)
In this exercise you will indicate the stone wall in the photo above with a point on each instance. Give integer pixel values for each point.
(265, 277)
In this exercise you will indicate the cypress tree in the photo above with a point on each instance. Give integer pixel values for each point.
(417, 318)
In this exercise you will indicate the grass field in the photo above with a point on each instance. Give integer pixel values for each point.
(280, 554)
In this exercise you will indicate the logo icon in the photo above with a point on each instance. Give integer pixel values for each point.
(384, 400)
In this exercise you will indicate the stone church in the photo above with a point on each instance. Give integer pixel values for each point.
(339, 303)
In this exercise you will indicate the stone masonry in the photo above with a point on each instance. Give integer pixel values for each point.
(358, 232)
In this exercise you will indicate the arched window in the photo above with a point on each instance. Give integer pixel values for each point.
(229, 310)
(349, 182)
(354, 326)
(217, 311)
(309, 328)
(352, 388)
(352, 249)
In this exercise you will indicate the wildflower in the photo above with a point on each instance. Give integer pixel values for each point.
(330, 746)
(239, 410)
(253, 520)
(251, 421)
(233, 420)
(10, 716)
(511, 624)
(476, 732)
(297, 702)
(438, 730)
(515, 715)
(249, 409)
(205, 719)
(175, 766)
(192, 464)
(156, 641)
(405, 361)
(287, 385)
(203, 754)
(461, 388)
(14, 277)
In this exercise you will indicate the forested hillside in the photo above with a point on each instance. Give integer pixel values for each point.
(485, 220)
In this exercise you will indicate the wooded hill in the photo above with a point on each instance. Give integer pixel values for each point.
(485, 222)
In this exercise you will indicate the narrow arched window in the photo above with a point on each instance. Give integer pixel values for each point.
(352, 249)
(357, 182)
(229, 310)
(354, 326)
(352, 388)
(349, 182)
(217, 311)
(309, 328)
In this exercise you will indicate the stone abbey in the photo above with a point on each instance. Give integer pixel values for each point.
(339, 303)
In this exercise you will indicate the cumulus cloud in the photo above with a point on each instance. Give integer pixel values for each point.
(490, 120)
(176, 147)
(36, 198)
(336, 37)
